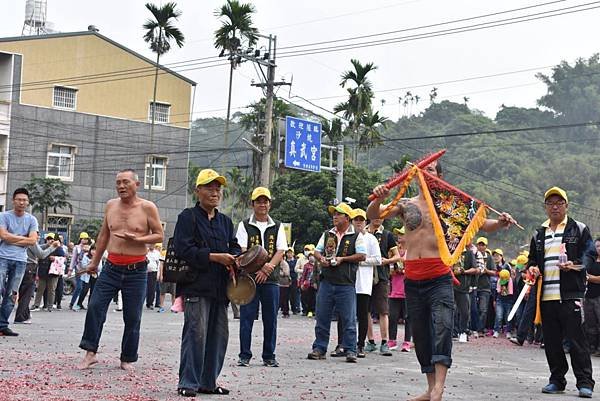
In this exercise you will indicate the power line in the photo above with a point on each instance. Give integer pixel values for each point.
(445, 32)
(421, 26)
(357, 45)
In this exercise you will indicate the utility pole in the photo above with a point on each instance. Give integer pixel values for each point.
(268, 60)
(265, 171)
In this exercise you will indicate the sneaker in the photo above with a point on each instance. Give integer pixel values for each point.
(405, 347)
(496, 334)
(337, 352)
(315, 354)
(161, 310)
(475, 334)
(384, 350)
(393, 345)
(489, 333)
(508, 335)
(58, 307)
(271, 363)
(360, 352)
(371, 347)
(82, 307)
(28, 321)
(552, 388)
(462, 338)
(49, 310)
(351, 358)
(585, 392)
(76, 308)
(243, 362)
(309, 314)
(8, 332)
(516, 341)
(34, 309)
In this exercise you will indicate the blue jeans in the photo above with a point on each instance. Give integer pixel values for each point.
(268, 296)
(342, 298)
(430, 305)
(503, 307)
(203, 343)
(132, 284)
(76, 291)
(11, 275)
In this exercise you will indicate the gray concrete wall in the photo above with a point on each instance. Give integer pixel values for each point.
(104, 146)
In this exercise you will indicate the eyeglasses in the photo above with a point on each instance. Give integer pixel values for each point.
(557, 204)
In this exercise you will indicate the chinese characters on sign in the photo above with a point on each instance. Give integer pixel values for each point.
(302, 144)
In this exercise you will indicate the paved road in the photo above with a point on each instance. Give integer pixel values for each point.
(40, 365)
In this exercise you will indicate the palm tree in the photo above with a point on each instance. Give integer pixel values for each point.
(371, 136)
(159, 32)
(333, 131)
(359, 97)
(239, 191)
(236, 28)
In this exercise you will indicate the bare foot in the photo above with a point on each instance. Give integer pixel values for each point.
(436, 394)
(423, 397)
(89, 360)
(127, 366)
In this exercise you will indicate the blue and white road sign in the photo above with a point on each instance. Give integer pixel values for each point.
(302, 144)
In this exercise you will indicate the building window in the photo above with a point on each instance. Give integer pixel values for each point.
(156, 173)
(162, 112)
(61, 160)
(65, 98)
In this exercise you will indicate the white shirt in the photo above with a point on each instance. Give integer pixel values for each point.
(153, 257)
(364, 274)
(242, 236)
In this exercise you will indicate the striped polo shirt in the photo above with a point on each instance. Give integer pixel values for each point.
(551, 278)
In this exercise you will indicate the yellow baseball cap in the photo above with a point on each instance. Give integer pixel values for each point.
(358, 213)
(309, 247)
(482, 240)
(556, 191)
(522, 259)
(158, 244)
(208, 175)
(260, 191)
(525, 253)
(498, 251)
(50, 235)
(342, 208)
(84, 235)
(399, 231)
(504, 274)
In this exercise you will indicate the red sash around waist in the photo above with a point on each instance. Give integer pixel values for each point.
(123, 260)
(425, 269)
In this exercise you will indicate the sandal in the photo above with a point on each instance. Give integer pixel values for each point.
(218, 390)
(186, 392)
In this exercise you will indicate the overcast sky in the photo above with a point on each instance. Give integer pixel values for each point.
(530, 45)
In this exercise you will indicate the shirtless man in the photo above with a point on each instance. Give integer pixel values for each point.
(130, 223)
(428, 285)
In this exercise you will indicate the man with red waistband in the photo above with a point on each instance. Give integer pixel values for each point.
(130, 223)
(428, 284)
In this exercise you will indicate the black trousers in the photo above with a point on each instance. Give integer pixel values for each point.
(151, 288)
(562, 320)
(26, 291)
(398, 311)
(59, 291)
(463, 309)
